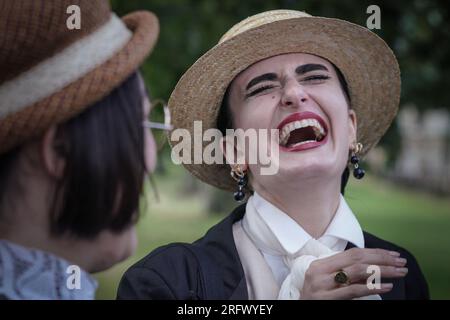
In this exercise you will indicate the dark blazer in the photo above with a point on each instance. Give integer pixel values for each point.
(210, 268)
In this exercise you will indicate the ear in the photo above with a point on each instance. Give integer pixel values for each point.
(231, 153)
(52, 158)
(352, 128)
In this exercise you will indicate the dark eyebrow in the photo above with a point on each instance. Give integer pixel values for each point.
(261, 78)
(309, 67)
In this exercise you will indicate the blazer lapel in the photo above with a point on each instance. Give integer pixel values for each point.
(220, 245)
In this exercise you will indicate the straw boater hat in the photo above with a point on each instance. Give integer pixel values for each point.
(368, 65)
(50, 73)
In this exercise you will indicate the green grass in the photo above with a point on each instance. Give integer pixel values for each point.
(415, 221)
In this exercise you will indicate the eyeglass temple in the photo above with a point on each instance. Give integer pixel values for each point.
(157, 125)
(167, 120)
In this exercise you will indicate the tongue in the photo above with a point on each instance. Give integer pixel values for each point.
(300, 135)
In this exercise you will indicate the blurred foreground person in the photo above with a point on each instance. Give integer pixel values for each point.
(74, 143)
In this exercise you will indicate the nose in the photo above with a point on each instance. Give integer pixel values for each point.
(294, 95)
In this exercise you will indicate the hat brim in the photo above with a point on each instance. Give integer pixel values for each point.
(33, 120)
(367, 63)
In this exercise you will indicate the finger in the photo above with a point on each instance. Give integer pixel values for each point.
(357, 291)
(353, 256)
(360, 272)
(357, 274)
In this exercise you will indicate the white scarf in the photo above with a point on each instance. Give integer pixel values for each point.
(257, 230)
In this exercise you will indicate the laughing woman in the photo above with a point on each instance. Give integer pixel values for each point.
(332, 89)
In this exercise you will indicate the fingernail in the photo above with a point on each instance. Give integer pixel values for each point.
(385, 286)
(402, 270)
(400, 261)
(394, 253)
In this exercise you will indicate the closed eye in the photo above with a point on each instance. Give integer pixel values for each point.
(258, 90)
(316, 78)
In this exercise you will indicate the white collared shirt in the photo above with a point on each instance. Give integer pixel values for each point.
(292, 237)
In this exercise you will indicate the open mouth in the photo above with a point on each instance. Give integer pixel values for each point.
(302, 131)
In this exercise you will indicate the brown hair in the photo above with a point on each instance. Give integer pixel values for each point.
(104, 154)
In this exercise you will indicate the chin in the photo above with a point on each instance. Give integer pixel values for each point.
(308, 167)
(305, 172)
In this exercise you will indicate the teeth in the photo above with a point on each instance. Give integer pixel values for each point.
(303, 142)
(288, 128)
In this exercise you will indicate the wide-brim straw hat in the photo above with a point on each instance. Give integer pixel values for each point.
(51, 71)
(367, 63)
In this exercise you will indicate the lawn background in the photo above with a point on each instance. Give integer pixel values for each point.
(416, 221)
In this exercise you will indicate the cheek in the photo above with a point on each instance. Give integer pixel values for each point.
(112, 248)
(334, 106)
(149, 151)
(257, 115)
(132, 242)
(340, 137)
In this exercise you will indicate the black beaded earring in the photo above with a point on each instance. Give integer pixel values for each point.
(241, 177)
(358, 173)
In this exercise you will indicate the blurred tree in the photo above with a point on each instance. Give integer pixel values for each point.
(418, 31)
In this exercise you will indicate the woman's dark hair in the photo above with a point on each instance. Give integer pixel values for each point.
(104, 169)
(225, 120)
